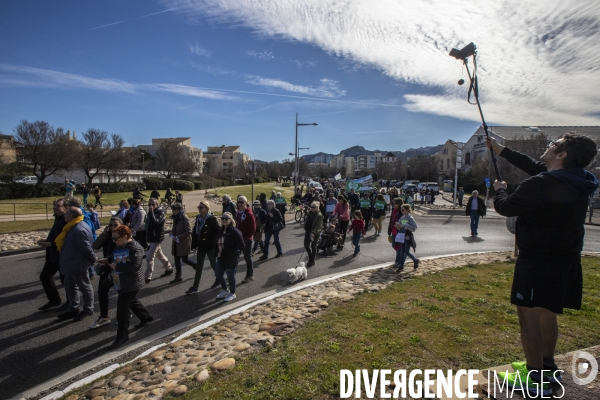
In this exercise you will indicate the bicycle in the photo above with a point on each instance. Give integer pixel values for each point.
(301, 211)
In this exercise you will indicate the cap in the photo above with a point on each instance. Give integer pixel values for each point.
(256, 203)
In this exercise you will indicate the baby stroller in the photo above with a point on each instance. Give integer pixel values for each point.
(330, 239)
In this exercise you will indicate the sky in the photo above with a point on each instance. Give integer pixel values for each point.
(236, 72)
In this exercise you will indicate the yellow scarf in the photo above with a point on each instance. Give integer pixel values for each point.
(60, 239)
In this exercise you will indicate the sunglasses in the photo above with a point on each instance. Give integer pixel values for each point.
(201, 207)
(113, 225)
(152, 204)
(241, 202)
(552, 143)
(225, 218)
(114, 239)
(313, 208)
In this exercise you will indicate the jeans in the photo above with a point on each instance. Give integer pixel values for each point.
(402, 252)
(220, 271)
(275, 241)
(85, 197)
(248, 258)
(154, 250)
(76, 284)
(355, 241)
(47, 279)
(186, 260)
(97, 200)
(310, 246)
(125, 302)
(474, 221)
(343, 228)
(200, 265)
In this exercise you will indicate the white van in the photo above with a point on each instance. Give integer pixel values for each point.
(28, 180)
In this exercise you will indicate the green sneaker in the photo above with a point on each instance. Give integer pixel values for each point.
(551, 375)
(520, 381)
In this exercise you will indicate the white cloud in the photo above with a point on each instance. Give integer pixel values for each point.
(263, 55)
(328, 88)
(189, 91)
(198, 50)
(305, 64)
(539, 60)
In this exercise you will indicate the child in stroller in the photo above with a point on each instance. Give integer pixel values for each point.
(330, 237)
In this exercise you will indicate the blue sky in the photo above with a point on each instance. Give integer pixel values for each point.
(374, 74)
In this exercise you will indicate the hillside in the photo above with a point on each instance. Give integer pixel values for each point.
(356, 151)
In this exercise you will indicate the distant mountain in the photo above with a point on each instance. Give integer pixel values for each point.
(356, 151)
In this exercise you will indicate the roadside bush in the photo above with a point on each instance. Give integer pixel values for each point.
(164, 184)
(286, 184)
(21, 190)
(115, 187)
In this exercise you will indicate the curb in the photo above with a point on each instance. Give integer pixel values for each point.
(21, 251)
(204, 321)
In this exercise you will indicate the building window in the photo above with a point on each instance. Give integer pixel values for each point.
(468, 159)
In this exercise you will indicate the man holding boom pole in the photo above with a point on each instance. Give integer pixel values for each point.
(551, 208)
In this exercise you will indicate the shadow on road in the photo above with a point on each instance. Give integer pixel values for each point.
(472, 239)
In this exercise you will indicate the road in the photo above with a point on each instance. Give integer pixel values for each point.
(36, 346)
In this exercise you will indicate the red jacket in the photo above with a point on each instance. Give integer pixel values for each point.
(358, 225)
(246, 223)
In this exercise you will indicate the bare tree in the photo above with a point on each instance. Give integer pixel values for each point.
(99, 153)
(424, 168)
(384, 170)
(210, 165)
(171, 161)
(45, 149)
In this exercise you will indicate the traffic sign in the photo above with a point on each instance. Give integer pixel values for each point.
(487, 184)
(486, 179)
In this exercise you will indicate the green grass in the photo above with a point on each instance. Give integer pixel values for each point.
(36, 225)
(458, 318)
(246, 190)
(37, 205)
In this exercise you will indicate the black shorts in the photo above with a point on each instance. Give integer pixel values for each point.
(553, 286)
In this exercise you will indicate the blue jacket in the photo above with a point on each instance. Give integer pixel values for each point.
(77, 255)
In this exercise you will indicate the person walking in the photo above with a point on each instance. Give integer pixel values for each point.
(155, 234)
(260, 217)
(272, 228)
(475, 208)
(51, 265)
(138, 223)
(342, 214)
(550, 207)
(105, 242)
(312, 228)
(126, 262)
(354, 200)
(403, 238)
(85, 192)
(460, 195)
(246, 223)
(181, 246)
(76, 256)
(178, 197)
(229, 243)
(281, 204)
(93, 215)
(394, 217)
(169, 196)
(330, 205)
(358, 230)
(155, 194)
(97, 195)
(69, 187)
(124, 212)
(204, 242)
(228, 205)
(366, 210)
(378, 213)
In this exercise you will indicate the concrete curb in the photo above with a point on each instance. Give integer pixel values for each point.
(205, 321)
(21, 251)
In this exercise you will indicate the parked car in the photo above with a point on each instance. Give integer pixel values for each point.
(411, 189)
(28, 180)
(429, 185)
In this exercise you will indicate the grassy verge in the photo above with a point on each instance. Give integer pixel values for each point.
(246, 190)
(37, 205)
(459, 318)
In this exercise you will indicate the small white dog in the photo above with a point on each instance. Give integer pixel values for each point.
(295, 274)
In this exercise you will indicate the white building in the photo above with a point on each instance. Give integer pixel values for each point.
(343, 163)
(225, 158)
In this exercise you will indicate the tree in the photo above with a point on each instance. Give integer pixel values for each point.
(170, 160)
(210, 165)
(384, 170)
(45, 149)
(98, 153)
(398, 169)
(423, 168)
(124, 160)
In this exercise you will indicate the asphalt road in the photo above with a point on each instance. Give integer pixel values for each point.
(36, 346)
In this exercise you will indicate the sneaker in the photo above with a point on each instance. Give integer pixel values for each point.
(177, 279)
(279, 255)
(230, 297)
(83, 315)
(399, 269)
(148, 280)
(248, 279)
(191, 290)
(551, 373)
(223, 294)
(263, 257)
(143, 323)
(99, 322)
(68, 314)
(521, 381)
(416, 263)
(49, 305)
(215, 285)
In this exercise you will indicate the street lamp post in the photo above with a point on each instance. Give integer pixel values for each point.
(253, 172)
(143, 164)
(296, 177)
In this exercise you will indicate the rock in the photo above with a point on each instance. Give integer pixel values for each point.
(313, 310)
(323, 304)
(170, 385)
(115, 382)
(266, 327)
(90, 394)
(112, 393)
(303, 293)
(125, 383)
(170, 355)
(139, 396)
(156, 392)
(166, 370)
(191, 368)
(224, 364)
(173, 376)
(202, 375)
(179, 390)
(140, 377)
(120, 397)
(241, 347)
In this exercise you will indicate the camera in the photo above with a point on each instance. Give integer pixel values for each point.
(465, 52)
